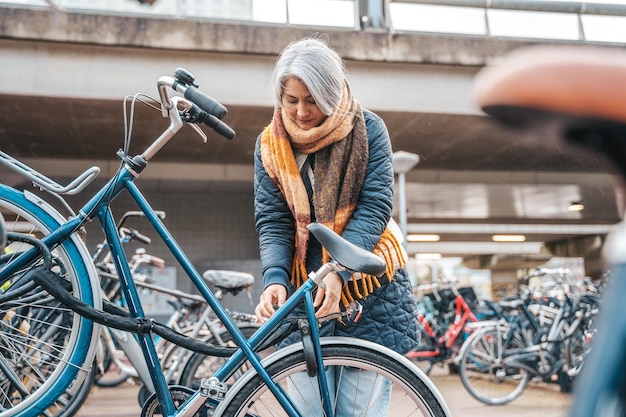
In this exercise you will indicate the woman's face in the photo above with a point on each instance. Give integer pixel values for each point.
(300, 106)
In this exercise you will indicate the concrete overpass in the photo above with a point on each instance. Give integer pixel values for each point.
(64, 75)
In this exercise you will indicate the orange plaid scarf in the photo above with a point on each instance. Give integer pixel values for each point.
(340, 145)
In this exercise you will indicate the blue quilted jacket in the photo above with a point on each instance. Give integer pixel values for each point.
(389, 314)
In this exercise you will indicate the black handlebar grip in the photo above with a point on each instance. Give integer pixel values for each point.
(219, 126)
(205, 102)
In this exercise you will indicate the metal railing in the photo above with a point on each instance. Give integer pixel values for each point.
(577, 17)
(579, 10)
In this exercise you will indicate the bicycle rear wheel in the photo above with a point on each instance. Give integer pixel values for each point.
(484, 375)
(45, 349)
(412, 393)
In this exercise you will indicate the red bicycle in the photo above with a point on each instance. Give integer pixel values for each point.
(445, 314)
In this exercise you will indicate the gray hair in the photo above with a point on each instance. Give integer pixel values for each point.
(318, 66)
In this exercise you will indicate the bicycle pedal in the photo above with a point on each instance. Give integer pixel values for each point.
(213, 388)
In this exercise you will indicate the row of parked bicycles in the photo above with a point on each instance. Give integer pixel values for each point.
(541, 334)
(119, 358)
(497, 348)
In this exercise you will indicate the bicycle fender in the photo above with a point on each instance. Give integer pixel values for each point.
(280, 354)
(92, 275)
(89, 265)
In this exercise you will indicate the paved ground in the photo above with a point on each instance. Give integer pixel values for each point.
(538, 400)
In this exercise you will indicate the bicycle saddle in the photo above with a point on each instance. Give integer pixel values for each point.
(348, 255)
(576, 93)
(228, 280)
(575, 80)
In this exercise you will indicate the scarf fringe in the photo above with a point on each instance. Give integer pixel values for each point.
(362, 285)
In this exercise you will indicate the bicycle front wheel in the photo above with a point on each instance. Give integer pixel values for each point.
(390, 384)
(45, 349)
(483, 373)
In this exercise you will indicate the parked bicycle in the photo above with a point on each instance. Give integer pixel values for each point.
(191, 316)
(42, 369)
(541, 340)
(443, 326)
(576, 95)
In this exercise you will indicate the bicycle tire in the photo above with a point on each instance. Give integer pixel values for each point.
(201, 366)
(58, 372)
(482, 373)
(578, 346)
(413, 393)
(69, 403)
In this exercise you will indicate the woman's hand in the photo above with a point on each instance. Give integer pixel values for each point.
(328, 295)
(274, 294)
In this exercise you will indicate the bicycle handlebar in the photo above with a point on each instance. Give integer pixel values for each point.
(203, 101)
(133, 234)
(186, 82)
(135, 213)
(205, 109)
(196, 107)
(195, 114)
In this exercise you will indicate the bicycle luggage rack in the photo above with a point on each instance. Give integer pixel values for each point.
(74, 187)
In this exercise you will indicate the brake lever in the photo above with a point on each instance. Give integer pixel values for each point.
(185, 108)
(199, 132)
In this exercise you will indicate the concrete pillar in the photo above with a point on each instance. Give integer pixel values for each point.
(587, 247)
(372, 14)
(505, 269)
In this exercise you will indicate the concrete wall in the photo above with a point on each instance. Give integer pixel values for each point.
(245, 37)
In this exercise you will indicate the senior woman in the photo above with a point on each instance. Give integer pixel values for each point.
(324, 158)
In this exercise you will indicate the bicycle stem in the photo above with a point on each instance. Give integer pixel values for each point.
(176, 123)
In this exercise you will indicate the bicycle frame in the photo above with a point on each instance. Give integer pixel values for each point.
(98, 207)
(463, 315)
(130, 292)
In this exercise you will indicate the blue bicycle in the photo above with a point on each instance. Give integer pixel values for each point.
(52, 306)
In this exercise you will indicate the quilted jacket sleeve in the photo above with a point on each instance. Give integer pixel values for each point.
(274, 224)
